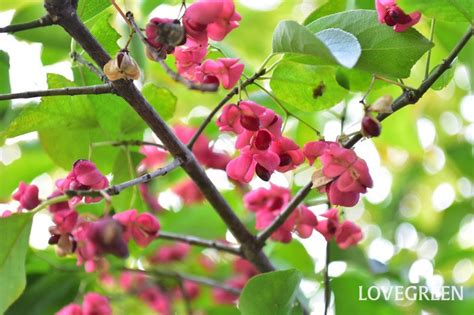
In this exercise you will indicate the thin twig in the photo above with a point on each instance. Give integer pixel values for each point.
(206, 87)
(192, 240)
(41, 22)
(371, 86)
(228, 97)
(116, 189)
(327, 283)
(186, 299)
(403, 86)
(69, 91)
(428, 59)
(290, 207)
(79, 59)
(183, 276)
(128, 143)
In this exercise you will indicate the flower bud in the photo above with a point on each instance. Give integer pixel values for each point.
(382, 105)
(122, 67)
(370, 127)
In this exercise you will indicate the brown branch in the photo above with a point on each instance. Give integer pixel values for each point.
(206, 87)
(327, 283)
(182, 276)
(41, 22)
(66, 16)
(69, 91)
(128, 143)
(408, 97)
(116, 189)
(227, 98)
(192, 240)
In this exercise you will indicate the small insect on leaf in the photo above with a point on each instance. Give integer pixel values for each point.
(122, 67)
(318, 91)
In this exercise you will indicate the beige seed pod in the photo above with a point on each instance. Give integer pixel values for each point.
(122, 67)
(382, 105)
(319, 180)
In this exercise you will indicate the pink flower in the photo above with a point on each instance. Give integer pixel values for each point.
(59, 206)
(305, 221)
(70, 309)
(389, 13)
(329, 226)
(245, 267)
(213, 18)
(201, 149)
(150, 199)
(27, 195)
(156, 300)
(247, 164)
(132, 281)
(226, 21)
(188, 57)
(263, 199)
(85, 249)
(170, 253)
(65, 221)
(84, 176)
(191, 288)
(226, 71)
(230, 118)
(6, 213)
(96, 304)
(313, 150)
(222, 296)
(348, 234)
(289, 153)
(143, 227)
(189, 192)
(154, 156)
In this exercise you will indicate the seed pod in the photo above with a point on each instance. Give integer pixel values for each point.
(122, 67)
(382, 105)
(370, 127)
(262, 172)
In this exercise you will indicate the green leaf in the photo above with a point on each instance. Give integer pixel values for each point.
(331, 46)
(330, 7)
(87, 9)
(55, 112)
(306, 87)
(292, 255)
(4, 79)
(384, 51)
(60, 287)
(444, 10)
(15, 4)
(105, 34)
(15, 234)
(271, 293)
(444, 79)
(162, 100)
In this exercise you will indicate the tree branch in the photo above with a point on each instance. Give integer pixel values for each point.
(68, 19)
(227, 98)
(192, 240)
(206, 87)
(408, 97)
(69, 91)
(116, 189)
(281, 218)
(182, 276)
(327, 283)
(41, 22)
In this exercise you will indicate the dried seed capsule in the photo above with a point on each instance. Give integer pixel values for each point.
(370, 127)
(122, 67)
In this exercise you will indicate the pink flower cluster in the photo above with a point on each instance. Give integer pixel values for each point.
(203, 20)
(170, 253)
(263, 149)
(268, 204)
(349, 173)
(27, 195)
(389, 13)
(139, 284)
(93, 304)
(243, 271)
(91, 240)
(84, 176)
(346, 233)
